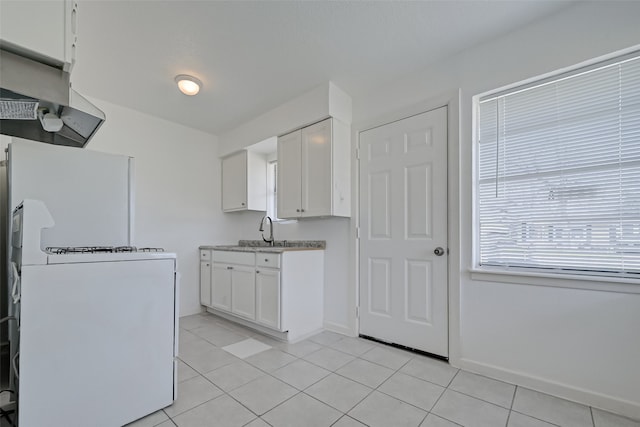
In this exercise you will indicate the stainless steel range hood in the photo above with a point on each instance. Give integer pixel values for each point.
(37, 103)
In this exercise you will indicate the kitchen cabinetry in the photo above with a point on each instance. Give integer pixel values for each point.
(314, 171)
(268, 289)
(268, 297)
(220, 287)
(205, 282)
(277, 293)
(22, 24)
(243, 291)
(233, 282)
(244, 182)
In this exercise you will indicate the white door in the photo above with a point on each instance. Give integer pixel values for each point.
(243, 291)
(316, 169)
(268, 297)
(403, 232)
(234, 182)
(205, 283)
(221, 287)
(289, 175)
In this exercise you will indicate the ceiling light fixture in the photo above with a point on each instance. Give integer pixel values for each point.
(188, 85)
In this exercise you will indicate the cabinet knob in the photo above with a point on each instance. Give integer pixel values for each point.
(207, 265)
(266, 260)
(229, 267)
(242, 203)
(257, 271)
(297, 210)
(301, 210)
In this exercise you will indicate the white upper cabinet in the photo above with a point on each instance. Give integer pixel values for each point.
(317, 168)
(289, 180)
(23, 23)
(244, 182)
(314, 165)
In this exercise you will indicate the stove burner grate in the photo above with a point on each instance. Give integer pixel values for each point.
(98, 249)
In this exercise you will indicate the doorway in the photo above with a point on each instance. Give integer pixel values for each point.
(403, 232)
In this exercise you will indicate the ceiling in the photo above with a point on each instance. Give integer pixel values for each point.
(255, 55)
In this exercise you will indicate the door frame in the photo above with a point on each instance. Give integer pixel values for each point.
(452, 100)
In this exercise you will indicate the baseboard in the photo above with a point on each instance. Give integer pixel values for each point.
(338, 328)
(586, 397)
(279, 336)
(200, 310)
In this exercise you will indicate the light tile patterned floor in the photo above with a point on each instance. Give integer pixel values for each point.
(333, 380)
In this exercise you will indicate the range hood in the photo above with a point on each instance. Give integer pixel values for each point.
(37, 103)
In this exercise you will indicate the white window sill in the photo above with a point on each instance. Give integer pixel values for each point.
(558, 280)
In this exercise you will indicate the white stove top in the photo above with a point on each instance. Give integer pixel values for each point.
(65, 250)
(81, 257)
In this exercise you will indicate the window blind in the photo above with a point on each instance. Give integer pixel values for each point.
(558, 177)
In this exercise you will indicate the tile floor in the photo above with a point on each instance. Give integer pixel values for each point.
(232, 376)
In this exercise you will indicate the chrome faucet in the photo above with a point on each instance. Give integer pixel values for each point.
(270, 241)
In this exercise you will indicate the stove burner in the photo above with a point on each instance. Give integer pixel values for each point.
(98, 249)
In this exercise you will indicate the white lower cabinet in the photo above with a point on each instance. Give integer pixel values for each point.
(277, 293)
(205, 282)
(243, 291)
(268, 297)
(221, 287)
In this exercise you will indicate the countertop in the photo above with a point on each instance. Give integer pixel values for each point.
(279, 246)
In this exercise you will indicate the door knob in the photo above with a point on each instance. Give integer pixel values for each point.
(438, 251)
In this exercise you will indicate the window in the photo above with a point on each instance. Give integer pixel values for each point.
(558, 173)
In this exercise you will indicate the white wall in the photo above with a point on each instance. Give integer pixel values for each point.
(177, 187)
(312, 106)
(580, 344)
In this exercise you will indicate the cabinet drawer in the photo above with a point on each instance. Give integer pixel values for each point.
(268, 260)
(205, 255)
(231, 257)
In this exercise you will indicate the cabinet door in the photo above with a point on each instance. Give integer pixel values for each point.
(55, 19)
(316, 169)
(205, 283)
(234, 182)
(243, 291)
(289, 175)
(221, 287)
(268, 297)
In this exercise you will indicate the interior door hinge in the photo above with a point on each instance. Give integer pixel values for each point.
(357, 312)
(358, 153)
(357, 232)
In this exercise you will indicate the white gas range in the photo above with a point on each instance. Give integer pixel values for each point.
(97, 328)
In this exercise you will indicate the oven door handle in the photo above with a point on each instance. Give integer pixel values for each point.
(15, 289)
